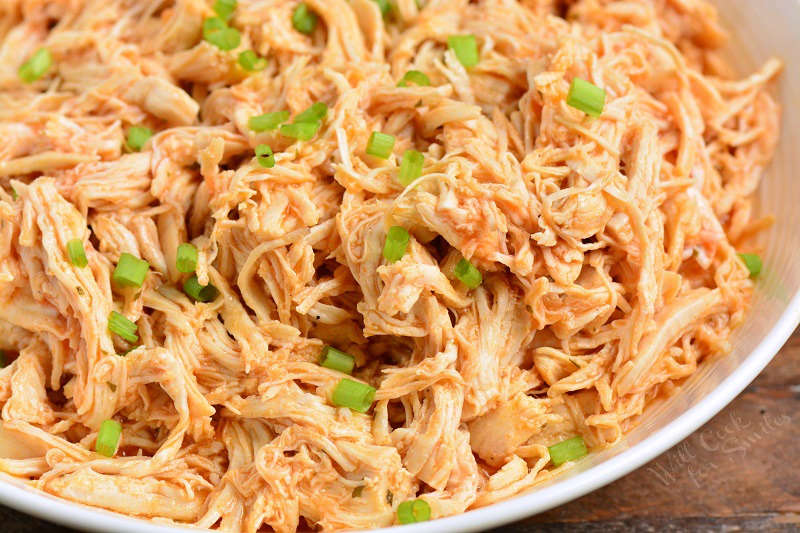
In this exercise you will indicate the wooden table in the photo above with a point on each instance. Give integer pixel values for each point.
(739, 472)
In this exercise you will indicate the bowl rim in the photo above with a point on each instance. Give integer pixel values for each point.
(82, 517)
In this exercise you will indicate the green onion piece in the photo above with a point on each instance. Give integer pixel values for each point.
(337, 360)
(416, 77)
(385, 6)
(396, 243)
(753, 264)
(226, 39)
(315, 113)
(249, 60)
(586, 97)
(138, 137)
(567, 450)
(468, 274)
(303, 19)
(186, 260)
(212, 25)
(307, 123)
(353, 394)
(224, 8)
(200, 293)
(268, 121)
(14, 193)
(410, 167)
(304, 131)
(108, 438)
(119, 324)
(265, 156)
(3, 362)
(76, 253)
(358, 491)
(218, 33)
(130, 271)
(412, 511)
(36, 67)
(380, 144)
(466, 49)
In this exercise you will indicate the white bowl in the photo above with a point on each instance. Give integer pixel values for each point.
(761, 29)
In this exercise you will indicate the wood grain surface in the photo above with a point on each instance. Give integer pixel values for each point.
(739, 472)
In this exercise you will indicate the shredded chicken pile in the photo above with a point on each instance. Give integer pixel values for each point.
(608, 247)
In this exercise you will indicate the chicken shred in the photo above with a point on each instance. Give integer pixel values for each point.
(607, 246)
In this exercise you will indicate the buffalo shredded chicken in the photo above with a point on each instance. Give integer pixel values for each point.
(574, 180)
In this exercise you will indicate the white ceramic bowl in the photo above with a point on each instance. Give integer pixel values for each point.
(760, 29)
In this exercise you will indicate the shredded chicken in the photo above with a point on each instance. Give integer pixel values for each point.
(607, 246)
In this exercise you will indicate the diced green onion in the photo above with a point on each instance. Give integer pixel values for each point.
(212, 25)
(303, 131)
(3, 361)
(567, 450)
(268, 121)
(586, 97)
(380, 144)
(130, 271)
(224, 8)
(108, 438)
(226, 39)
(303, 19)
(416, 77)
(412, 511)
(37, 66)
(218, 33)
(138, 137)
(753, 264)
(358, 491)
(354, 395)
(316, 112)
(410, 167)
(337, 360)
(396, 243)
(465, 47)
(265, 156)
(76, 253)
(186, 260)
(200, 293)
(249, 60)
(385, 6)
(307, 123)
(119, 324)
(468, 274)
(14, 193)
